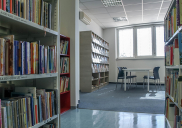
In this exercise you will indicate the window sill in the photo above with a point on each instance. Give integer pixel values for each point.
(141, 58)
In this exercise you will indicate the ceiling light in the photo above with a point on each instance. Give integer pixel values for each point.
(117, 19)
(108, 3)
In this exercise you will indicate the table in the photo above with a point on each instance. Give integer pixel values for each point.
(136, 70)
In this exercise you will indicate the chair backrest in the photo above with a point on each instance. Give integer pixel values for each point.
(121, 72)
(156, 72)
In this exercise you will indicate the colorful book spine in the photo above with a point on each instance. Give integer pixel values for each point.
(26, 58)
(34, 57)
(180, 11)
(29, 59)
(45, 59)
(2, 57)
(0, 115)
(22, 58)
(4, 117)
(7, 104)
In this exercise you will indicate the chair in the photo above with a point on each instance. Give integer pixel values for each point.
(121, 75)
(155, 76)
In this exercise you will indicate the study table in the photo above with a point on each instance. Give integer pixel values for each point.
(136, 70)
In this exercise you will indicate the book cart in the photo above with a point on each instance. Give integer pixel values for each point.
(65, 96)
(94, 62)
(173, 65)
(26, 30)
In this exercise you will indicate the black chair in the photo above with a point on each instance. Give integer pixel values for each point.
(155, 76)
(121, 75)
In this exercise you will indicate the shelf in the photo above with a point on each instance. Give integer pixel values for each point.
(174, 102)
(174, 67)
(102, 77)
(44, 122)
(106, 76)
(20, 25)
(64, 74)
(100, 72)
(173, 37)
(94, 79)
(26, 77)
(100, 45)
(64, 92)
(101, 54)
(169, 123)
(64, 55)
(99, 63)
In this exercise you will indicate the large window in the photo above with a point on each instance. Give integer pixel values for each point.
(126, 43)
(141, 42)
(144, 41)
(160, 41)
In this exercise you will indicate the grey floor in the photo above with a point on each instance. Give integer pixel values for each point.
(83, 118)
(136, 99)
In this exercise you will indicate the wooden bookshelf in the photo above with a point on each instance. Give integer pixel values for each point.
(65, 96)
(94, 62)
(25, 30)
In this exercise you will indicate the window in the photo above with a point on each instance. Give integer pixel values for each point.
(126, 43)
(160, 41)
(144, 41)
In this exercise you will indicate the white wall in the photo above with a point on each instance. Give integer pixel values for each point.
(110, 35)
(92, 27)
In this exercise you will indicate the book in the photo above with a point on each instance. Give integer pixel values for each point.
(4, 117)
(0, 115)
(7, 105)
(176, 52)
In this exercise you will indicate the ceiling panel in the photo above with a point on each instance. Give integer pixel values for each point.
(163, 10)
(98, 10)
(151, 1)
(93, 4)
(150, 18)
(82, 6)
(133, 13)
(111, 24)
(129, 2)
(161, 17)
(105, 20)
(156, 5)
(115, 9)
(88, 0)
(129, 8)
(102, 16)
(119, 14)
(166, 4)
(151, 12)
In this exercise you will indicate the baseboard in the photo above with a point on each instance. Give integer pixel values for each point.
(138, 83)
(73, 107)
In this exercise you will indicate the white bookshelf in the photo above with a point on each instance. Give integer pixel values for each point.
(170, 124)
(91, 44)
(29, 31)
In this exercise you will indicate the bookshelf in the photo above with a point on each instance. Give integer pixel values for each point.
(173, 65)
(25, 30)
(94, 60)
(65, 95)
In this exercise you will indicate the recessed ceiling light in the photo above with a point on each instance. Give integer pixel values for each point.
(117, 19)
(108, 3)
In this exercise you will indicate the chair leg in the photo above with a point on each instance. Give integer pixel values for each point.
(155, 85)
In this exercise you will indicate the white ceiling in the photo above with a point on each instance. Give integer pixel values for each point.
(137, 11)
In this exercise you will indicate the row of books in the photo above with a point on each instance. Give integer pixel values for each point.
(172, 84)
(99, 59)
(28, 106)
(37, 11)
(173, 20)
(64, 84)
(173, 113)
(49, 126)
(64, 47)
(100, 50)
(96, 39)
(99, 68)
(22, 57)
(64, 65)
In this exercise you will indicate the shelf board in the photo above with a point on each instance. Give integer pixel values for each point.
(106, 76)
(173, 36)
(64, 55)
(100, 54)
(99, 63)
(26, 77)
(169, 123)
(100, 72)
(100, 45)
(64, 74)
(20, 25)
(174, 67)
(174, 102)
(102, 77)
(64, 92)
(94, 79)
(44, 122)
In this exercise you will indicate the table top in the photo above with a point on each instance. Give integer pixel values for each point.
(137, 69)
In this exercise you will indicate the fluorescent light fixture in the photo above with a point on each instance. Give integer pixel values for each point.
(117, 19)
(108, 3)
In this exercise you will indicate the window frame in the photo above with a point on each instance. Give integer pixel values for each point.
(135, 54)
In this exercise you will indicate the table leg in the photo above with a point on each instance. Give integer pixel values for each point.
(148, 82)
(124, 80)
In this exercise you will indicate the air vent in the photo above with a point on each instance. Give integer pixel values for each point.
(84, 18)
(117, 19)
(108, 3)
